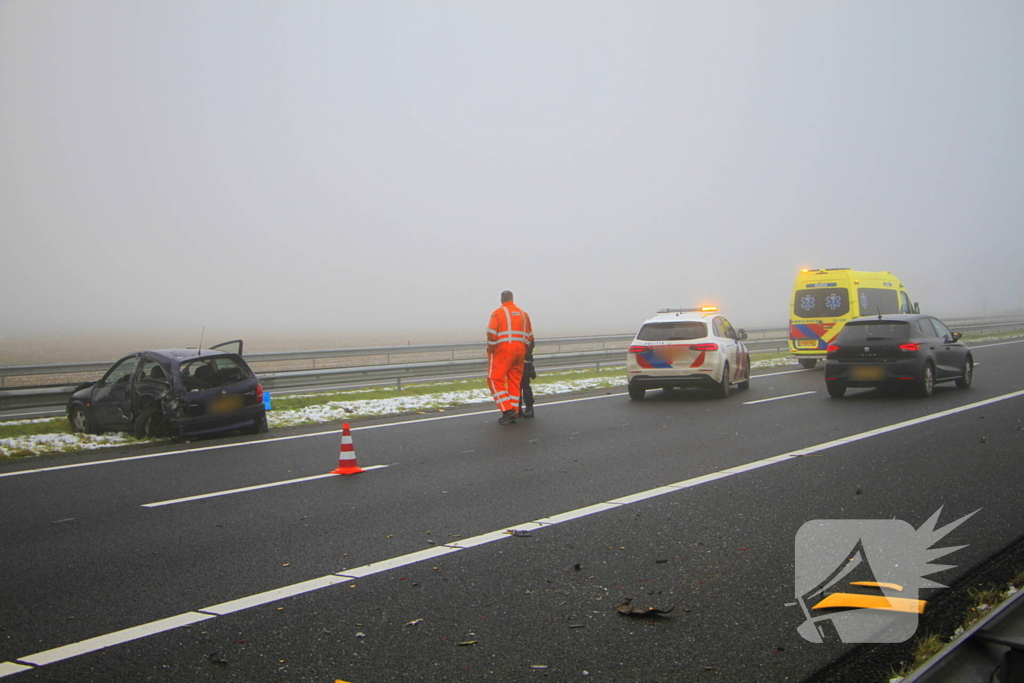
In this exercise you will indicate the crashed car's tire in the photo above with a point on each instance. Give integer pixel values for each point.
(259, 426)
(150, 424)
(81, 421)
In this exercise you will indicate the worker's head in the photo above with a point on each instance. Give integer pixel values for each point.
(506, 296)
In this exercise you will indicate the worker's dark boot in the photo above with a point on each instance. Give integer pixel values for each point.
(526, 412)
(508, 417)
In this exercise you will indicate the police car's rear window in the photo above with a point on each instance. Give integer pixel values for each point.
(875, 330)
(672, 331)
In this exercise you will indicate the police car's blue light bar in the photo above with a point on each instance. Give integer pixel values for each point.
(699, 309)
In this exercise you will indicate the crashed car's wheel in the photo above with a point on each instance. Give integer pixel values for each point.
(965, 379)
(722, 388)
(835, 388)
(259, 426)
(151, 424)
(808, 363)
(81, 422)
(636, 393)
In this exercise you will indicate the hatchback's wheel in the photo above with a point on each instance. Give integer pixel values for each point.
(81, 422)
(722, 388)
(926, 384)
(151, 424)
(259, 426)
(808, 363)
(636, 393)
(968, 375)
(835, 389)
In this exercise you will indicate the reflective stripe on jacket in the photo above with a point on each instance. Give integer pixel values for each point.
(509, 323)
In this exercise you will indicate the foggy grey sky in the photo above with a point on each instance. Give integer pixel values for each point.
(393, 166)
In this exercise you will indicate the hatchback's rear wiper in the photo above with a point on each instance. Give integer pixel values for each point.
(879, 339)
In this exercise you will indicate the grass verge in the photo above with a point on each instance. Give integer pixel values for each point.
(984, 599)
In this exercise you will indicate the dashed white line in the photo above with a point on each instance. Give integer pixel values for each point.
(251, 488)
(779, 398)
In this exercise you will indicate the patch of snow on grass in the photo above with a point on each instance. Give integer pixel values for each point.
(39, 444)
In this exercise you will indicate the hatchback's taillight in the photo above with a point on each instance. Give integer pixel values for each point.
(259, 393)
(638, 349)
(832, 348)
(704, 347)
(912, 347)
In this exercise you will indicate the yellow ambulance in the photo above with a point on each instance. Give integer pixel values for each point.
(826, 299)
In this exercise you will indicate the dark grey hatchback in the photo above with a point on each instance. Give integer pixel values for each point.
(913, 351)
(174, 392)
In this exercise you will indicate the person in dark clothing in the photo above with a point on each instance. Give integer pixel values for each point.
(526, 391)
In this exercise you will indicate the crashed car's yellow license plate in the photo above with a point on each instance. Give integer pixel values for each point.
(867, 373)
(224, 405)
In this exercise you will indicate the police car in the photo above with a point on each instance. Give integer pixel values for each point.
(688, 347)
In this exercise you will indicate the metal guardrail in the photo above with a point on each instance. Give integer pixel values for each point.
(991, 650)
(347, 367)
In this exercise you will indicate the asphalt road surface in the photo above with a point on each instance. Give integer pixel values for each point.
(477, 552)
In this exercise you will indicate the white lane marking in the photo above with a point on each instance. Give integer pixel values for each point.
(252, 488)
(116, 638)
(68, 651)
(902, 425)
(985, 346)
(8, 668)
(273, 595)
(396, 562)
(778, 398)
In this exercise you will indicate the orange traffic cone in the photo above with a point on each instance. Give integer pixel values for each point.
(347, 459)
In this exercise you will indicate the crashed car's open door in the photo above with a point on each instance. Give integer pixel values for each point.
(233, 346)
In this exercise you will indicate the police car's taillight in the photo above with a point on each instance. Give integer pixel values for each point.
(638, 349)
(704, 347)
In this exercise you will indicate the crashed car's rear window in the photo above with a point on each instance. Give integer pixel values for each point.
(875, 330)
(672, 331)
(210, 373)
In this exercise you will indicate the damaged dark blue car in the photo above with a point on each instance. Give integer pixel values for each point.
(177, 393)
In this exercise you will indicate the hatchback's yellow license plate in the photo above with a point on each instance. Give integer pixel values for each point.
(224, 405)
(867, 373)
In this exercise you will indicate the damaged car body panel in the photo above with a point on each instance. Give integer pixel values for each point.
(174, 392)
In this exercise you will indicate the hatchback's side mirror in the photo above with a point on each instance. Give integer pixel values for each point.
(957, 335)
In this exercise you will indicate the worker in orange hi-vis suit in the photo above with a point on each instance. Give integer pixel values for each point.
(509, 335)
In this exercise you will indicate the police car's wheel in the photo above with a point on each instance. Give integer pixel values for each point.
(808, 362)
(745, 384)
(722, 389)
(636, 393)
